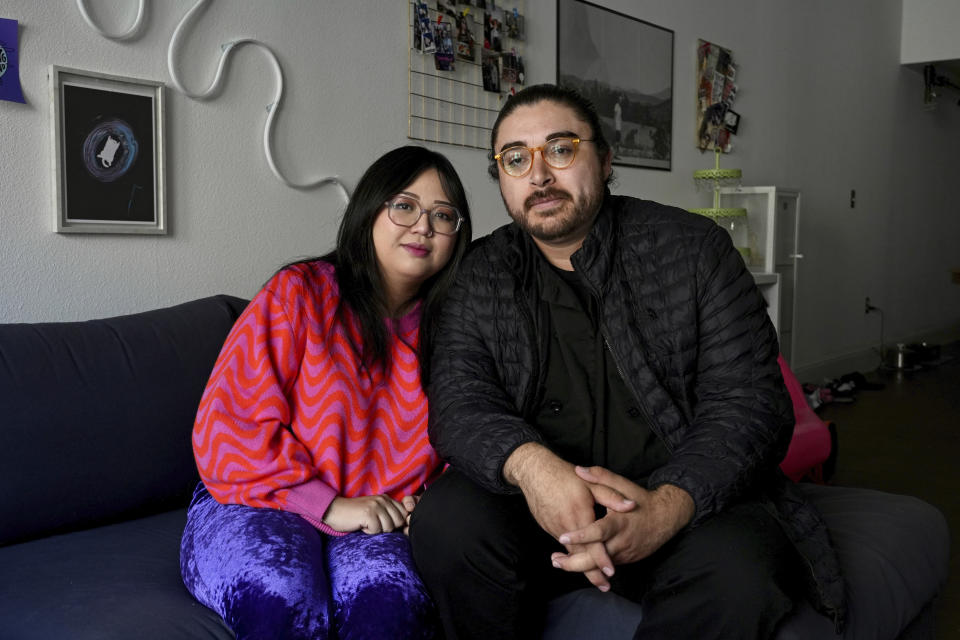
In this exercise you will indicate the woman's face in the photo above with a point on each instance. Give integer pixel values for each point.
(410, 255)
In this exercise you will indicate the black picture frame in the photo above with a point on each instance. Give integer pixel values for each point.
(731, 121)
(622, 63)
(108, 139)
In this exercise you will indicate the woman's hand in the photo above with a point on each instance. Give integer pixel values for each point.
(409, 502)
(370, 514)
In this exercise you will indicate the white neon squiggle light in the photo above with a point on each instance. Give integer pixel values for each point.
(215, 86)
(126, 35)
(218, 79)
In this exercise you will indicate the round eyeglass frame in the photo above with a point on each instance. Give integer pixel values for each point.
(422, 211)
(533, 152)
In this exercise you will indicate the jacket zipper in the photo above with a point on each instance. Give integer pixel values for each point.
(626, 380)
(636, 396)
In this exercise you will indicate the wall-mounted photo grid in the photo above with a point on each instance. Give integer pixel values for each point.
(466, 58)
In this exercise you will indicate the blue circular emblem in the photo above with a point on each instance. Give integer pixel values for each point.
(109, 150)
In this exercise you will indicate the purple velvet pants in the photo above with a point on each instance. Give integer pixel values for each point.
(270, 574)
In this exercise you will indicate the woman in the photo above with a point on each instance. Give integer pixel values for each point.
(311, 437)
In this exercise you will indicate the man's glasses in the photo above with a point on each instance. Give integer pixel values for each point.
(558, 153)
(405, 211)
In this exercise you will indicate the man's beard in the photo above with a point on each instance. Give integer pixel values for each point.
(568, 218)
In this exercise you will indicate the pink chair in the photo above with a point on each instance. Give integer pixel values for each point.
(812, 443)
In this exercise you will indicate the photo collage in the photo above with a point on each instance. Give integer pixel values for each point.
(716, 91)
(477, 32)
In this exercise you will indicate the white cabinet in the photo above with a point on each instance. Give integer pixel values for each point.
(773, 220)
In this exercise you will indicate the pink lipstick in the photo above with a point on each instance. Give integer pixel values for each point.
(416, 250)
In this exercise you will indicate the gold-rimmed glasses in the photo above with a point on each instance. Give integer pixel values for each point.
(558, 153)
(405, 211)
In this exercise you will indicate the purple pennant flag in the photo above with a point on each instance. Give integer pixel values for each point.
(9, 69)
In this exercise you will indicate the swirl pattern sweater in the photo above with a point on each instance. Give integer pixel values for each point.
(289, 419)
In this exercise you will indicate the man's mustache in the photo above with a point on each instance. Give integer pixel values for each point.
(546, 194)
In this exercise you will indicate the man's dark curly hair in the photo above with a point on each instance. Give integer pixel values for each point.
(553, 93)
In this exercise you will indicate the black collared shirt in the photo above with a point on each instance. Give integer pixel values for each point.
(588, 415)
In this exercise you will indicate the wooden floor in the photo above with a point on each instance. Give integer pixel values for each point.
(905, 439)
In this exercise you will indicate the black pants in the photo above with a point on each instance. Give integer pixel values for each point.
(486, 563)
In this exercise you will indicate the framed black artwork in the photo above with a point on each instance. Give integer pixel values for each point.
(624, 66)
(108, 153)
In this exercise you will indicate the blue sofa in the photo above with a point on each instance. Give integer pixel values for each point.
(96, 470)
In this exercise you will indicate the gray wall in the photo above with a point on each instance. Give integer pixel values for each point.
(825, 105)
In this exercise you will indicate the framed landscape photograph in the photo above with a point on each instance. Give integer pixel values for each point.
(624, 66)
(108, 152)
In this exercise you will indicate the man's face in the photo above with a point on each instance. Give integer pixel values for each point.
(552, 205)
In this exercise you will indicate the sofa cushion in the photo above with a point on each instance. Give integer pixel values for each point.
(118, 581)
(97, 415)
(894, 552)
(123, 581)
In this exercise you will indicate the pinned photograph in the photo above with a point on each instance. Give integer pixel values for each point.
(422, 29)
(513, 23)
(443, 39)
(490, 67)
(447, 7)
(731, 120)
(511, 67)
(493, 30)
(465, 40)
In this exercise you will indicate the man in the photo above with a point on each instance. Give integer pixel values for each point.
(605, 388)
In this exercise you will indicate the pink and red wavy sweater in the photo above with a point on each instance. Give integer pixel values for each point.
(289, 419)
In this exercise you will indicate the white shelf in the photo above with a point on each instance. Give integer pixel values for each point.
(765, 278)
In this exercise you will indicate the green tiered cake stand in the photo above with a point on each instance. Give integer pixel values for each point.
(733, 219)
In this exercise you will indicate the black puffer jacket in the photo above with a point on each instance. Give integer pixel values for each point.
(691, 338)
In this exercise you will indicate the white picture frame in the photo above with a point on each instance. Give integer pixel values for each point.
(108, 153)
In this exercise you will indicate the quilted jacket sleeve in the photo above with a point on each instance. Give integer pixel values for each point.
(742, 419)
(474, 424)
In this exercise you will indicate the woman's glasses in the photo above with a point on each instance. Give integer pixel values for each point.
(405, 211)
(558, 153)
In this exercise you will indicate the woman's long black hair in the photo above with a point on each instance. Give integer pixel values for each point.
(355, 258)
